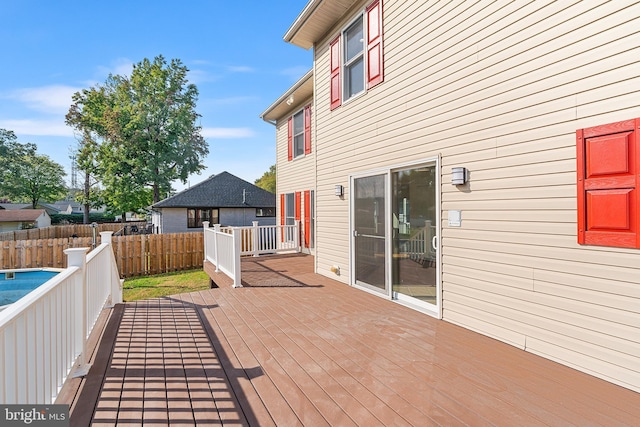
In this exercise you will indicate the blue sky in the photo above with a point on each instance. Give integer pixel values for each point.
(233, 49)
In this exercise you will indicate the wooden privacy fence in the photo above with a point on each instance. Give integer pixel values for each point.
(136, 255)
(146, 254)
(64, 231)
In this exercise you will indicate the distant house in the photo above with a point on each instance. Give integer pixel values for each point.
(19, 219)
(222, 199)
(51, 210)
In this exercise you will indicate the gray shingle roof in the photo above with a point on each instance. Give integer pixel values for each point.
(220, 191)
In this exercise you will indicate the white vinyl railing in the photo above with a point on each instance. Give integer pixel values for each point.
(43, 335)
(420, 247)
(223, 246)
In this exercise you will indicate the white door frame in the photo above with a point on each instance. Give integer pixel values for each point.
(433, 310)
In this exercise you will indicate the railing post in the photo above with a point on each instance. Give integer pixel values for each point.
(237, 248)
(216, 231)
(205, 225)
(256, 240)
(297, 236)
(115, 284)
(77, 257)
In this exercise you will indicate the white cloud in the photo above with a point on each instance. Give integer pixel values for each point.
(120, 67)
(55, 99)
(240, 69)
(234, 100)
(201, 76)
(295, 73)
(227, 133)
(37, 127)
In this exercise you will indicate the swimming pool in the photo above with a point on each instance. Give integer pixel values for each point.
(23, 282)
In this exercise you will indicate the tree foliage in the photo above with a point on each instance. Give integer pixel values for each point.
(143, 132)
(27, 176)
(86, 161)
(268, 180)
(35, 178)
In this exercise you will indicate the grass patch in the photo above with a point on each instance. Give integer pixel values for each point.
(162, 285)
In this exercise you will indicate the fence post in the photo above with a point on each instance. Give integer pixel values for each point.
(77, 257)
(256, 240)
(216, 231)
(237, 248)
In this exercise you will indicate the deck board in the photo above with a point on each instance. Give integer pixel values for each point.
(295, 348)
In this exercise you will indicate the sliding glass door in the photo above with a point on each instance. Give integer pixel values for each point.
(414, 254)
(394, 219)
(369, 231)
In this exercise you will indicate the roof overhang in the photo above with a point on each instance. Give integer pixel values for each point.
(291, 99)
(315, 20)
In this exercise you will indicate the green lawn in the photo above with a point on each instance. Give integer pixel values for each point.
(164, 284)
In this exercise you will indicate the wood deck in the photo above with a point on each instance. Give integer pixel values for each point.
(295, 348)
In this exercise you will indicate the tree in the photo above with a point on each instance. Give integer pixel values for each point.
(36, 177)
(86, 161)
(146, 128)
(12, 154)
(268, 180)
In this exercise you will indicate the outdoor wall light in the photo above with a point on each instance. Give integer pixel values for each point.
(459, 175)
(339, 190)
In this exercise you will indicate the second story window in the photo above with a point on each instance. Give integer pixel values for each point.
(298, 134)
(356, 59)
(353, 59)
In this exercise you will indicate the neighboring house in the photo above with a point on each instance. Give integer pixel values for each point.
(19, 219)
(478, 162)
(72, 207)
(221, 199)
(66, 207)
(15, 206)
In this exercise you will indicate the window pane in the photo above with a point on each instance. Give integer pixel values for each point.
(354, 79)
(298, 123)
(354, 40)
(290, 209)
(298, 145)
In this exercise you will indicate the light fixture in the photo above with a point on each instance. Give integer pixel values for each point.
(290, 100)
(459, 175)
(339, 190)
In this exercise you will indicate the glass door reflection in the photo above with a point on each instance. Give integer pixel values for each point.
(414, 257)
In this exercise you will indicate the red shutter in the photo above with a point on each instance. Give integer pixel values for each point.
(307, 129)
(290, 139)
(608, 167)
(335, 73)
(307, 217)
(298, 207)
(282, 210)
(375, 72)
(298, 211)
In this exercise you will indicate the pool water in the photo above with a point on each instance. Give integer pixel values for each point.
(25, 281)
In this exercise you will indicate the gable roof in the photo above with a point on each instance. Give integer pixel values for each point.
(221, 191)
(317, 17)
(15, 206)
(291, 99)
(18, 215)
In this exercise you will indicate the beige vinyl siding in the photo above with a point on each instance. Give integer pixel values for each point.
(297, 174)
(499, 88)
